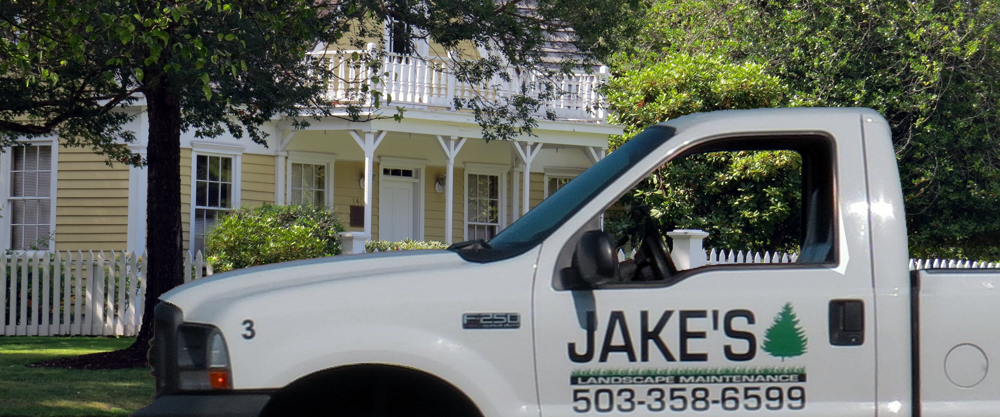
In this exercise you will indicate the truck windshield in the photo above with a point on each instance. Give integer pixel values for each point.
(540, 222)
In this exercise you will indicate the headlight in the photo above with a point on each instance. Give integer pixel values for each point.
(202, 358)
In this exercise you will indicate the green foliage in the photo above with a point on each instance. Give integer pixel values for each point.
(405, 244)
(730, 195)
(929, 67)
(266, 234)
(647, 92)
(785, 338)
(747, 200)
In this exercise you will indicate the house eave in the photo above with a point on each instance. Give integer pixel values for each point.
(437, 123)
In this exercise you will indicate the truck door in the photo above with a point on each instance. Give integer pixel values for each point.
(729, 339)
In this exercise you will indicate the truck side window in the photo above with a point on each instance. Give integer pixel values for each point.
(768, 196)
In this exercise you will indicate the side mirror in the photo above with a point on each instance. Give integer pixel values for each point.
(594, 259)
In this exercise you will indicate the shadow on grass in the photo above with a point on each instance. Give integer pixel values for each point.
(32, 391)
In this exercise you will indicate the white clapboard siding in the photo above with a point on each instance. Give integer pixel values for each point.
(77, 293)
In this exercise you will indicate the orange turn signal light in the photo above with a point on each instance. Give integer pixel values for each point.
(219, 379)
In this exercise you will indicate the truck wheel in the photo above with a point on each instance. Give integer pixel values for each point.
(371, 391)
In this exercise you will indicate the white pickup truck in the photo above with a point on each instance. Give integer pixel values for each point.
(543, 320)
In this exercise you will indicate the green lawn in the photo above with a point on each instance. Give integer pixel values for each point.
(66, 392)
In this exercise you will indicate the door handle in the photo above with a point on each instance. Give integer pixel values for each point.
(847, 322)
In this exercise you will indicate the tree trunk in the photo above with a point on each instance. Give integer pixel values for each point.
(164, 267)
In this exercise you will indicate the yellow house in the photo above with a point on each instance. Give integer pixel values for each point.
(430, 176)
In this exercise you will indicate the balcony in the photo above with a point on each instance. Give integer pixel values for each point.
(427, 83)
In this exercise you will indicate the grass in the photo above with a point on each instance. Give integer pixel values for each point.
(67, 392)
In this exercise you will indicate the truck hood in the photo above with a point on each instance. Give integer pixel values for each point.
(220, 289)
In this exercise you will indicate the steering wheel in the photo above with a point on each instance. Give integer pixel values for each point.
(655, 251)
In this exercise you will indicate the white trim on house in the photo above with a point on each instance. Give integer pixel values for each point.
(5, 190)
(313, 158)
(202, 148)
(450, 149)
(138, 188)
(498, 170)
(279, 177)
(515, 194)
(527, 154)
(216, 147)
(419, 166)
(369, 143)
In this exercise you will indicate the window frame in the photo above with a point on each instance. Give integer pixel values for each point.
(559, 172)
(6, 234)
(497, 170)
(202, 148)
(419, 47)
(820, 157)
(312, 158)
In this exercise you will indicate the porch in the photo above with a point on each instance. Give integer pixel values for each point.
(431, 176)
(427, 83)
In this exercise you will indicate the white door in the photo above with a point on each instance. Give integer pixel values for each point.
(396, 210)
(742, 339)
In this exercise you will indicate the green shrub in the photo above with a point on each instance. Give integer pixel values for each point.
(268, 234)
(406, 244)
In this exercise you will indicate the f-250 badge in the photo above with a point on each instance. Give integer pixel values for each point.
(491, 321)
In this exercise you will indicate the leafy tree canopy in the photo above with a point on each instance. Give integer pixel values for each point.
(928, 67)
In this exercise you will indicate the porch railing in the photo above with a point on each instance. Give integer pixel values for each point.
(427, 82)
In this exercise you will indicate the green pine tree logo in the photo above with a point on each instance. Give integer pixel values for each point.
(785, 338)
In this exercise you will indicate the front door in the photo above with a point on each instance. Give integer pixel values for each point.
(396, 210)
(743, 339)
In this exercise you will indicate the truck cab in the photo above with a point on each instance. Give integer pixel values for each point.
(545, 320)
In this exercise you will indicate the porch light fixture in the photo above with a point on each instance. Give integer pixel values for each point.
(439, 185)
(362, 182)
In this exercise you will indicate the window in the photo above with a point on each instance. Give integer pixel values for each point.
(483, 200)
(556, 183)
(772, 196)
(557, 177)
(31, 197)
(214, 188)
(397, 172)
(308, 184)
(400, 41)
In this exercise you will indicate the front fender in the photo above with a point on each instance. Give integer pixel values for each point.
(489, 384)
(411, 318)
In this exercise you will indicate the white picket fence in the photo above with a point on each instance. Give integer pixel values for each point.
(690, 241)
(76, 293)
(916, 264)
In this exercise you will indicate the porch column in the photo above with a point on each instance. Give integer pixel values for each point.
(280, 157)
(527, 155)
(515, 201)
(450, 149)
(368, 143)
(279, 177)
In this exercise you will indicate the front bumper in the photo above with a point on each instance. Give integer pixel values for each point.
(230, 404)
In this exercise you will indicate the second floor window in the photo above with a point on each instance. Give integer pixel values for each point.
(400, 41)
(31, 197)
(213, 194)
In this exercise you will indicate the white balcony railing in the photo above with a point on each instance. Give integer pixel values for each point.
(427, 82)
